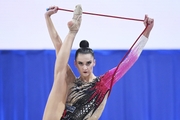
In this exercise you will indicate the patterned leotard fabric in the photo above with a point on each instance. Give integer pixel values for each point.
(84, 98)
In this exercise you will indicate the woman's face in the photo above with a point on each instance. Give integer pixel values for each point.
(85, 64)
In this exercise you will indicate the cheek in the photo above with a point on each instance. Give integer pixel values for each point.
(91, 66)
(78, 67)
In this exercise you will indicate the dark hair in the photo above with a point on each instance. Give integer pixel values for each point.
(84, 49)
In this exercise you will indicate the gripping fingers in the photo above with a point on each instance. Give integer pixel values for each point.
(55, 8)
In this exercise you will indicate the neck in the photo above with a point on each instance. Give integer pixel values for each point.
(88, 78)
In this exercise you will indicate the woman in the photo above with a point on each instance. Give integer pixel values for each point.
(84, 97)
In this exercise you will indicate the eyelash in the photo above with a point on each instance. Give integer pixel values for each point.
(80, 63)
(88, 63)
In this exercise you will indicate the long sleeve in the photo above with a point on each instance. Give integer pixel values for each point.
(125, 65)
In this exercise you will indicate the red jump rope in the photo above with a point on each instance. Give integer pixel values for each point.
(118, 17)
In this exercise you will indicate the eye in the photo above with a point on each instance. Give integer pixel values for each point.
(80, 63)
(89, 62)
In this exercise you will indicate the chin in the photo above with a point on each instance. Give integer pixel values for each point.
(85, 74)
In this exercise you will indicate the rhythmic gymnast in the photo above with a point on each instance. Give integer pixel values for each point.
(83, 97)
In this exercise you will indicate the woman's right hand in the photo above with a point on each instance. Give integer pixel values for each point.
(51, 10)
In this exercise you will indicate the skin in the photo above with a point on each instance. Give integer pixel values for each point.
(63, 75)
(149, 22)
(85, 64)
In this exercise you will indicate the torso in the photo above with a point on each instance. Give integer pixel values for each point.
(84, 99)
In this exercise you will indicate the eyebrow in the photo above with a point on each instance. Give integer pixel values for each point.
(90, 61)
(80, 62)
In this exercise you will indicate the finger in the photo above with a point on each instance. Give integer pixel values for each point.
(51, 8)
(145, 19)
(56, 9)
(150, 21)
(47, 9)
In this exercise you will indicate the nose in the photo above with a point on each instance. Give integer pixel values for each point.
(84, 67)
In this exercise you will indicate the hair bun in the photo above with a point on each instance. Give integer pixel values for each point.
(84, 44)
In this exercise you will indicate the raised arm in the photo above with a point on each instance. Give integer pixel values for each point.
(57, 98)
(57, 42)
(116, 73)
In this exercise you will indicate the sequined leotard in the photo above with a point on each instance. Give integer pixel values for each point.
(84, 98)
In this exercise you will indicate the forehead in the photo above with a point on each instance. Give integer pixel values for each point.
(84, 57)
